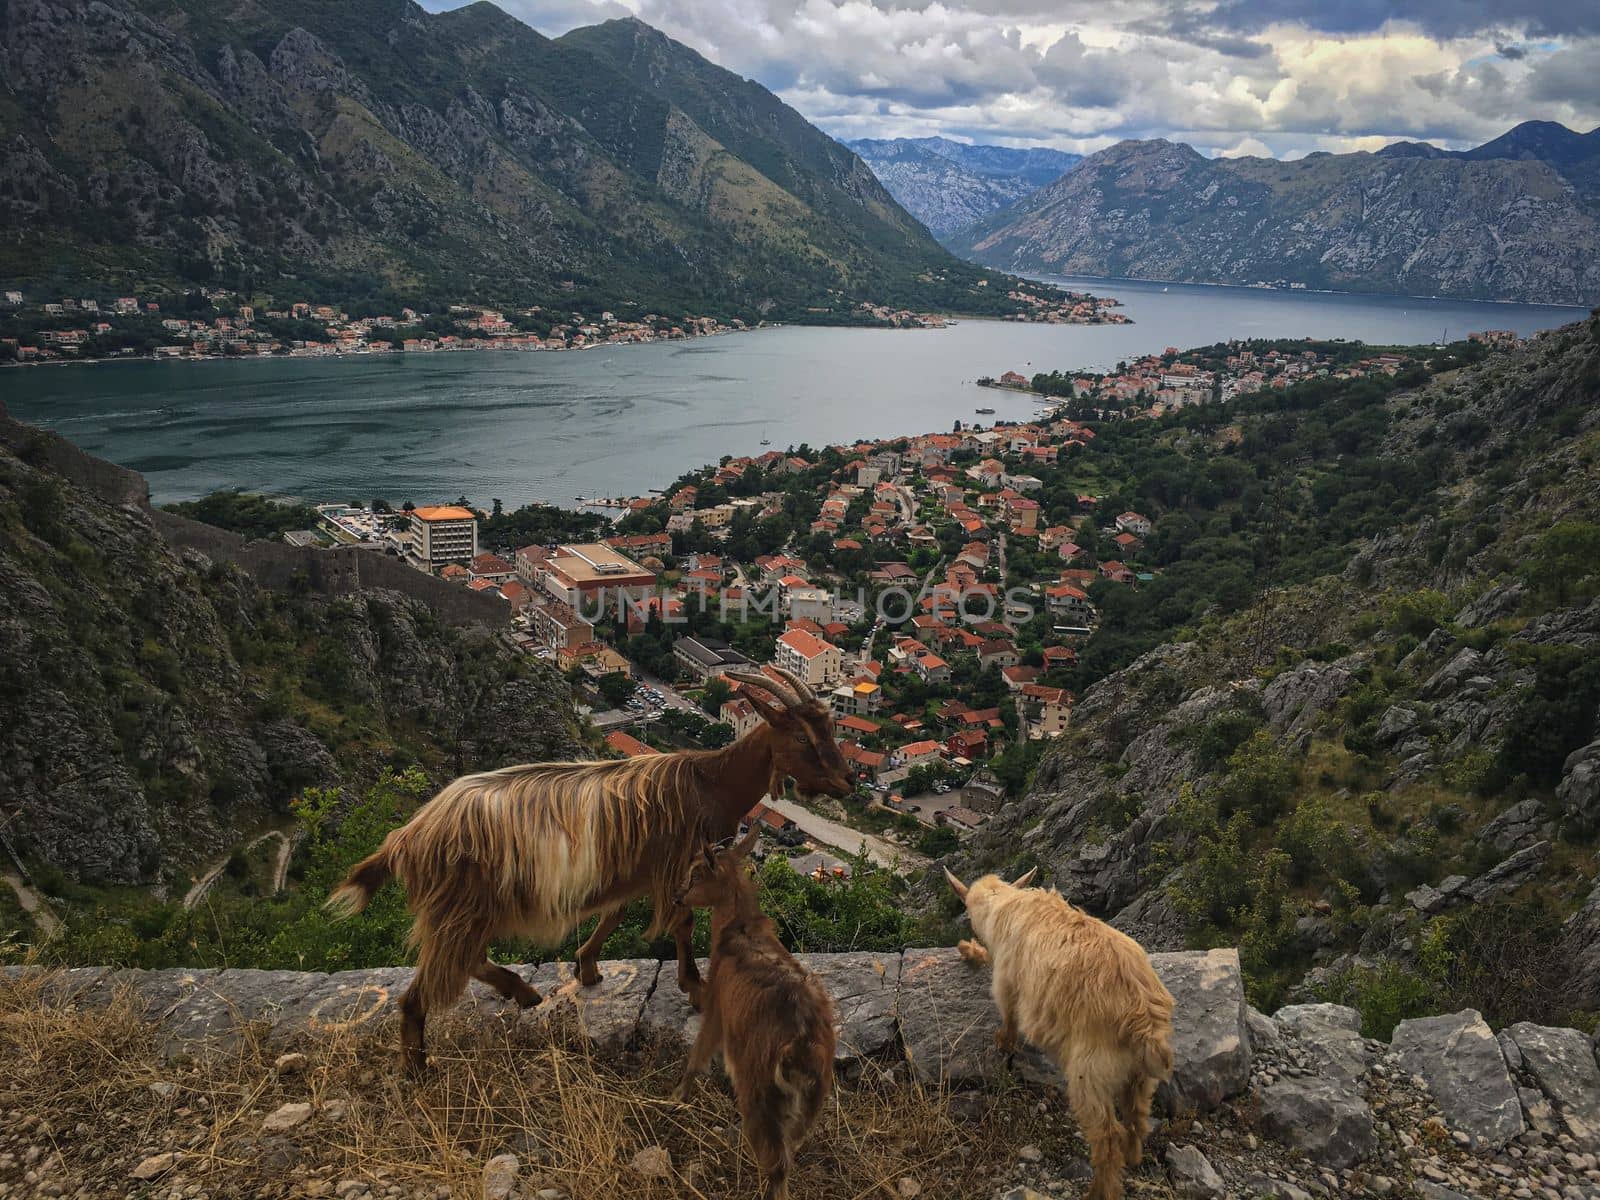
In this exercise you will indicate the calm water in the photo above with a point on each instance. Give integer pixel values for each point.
(614, 421)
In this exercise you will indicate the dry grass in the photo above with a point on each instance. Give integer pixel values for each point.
(79, 1110)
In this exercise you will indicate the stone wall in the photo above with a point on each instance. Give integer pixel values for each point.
(929, 1008)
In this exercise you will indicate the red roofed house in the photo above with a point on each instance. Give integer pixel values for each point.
(628, 745)
(916, 754)
(968, 743)
(1071, 603)
(491, 567)
(859, 726)
(1016, 677)
(866, 763)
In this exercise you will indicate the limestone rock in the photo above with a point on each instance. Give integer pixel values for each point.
(1498, 603)
(1295, 700)
(1263, 1187)
(1562, 1063)
(1263, 1033)
(500, 1177)
(155, 1166)
(948, 1022)
(1460, 1060)
(1328, 1122)
(1332, 1033)
(1520, 825)
(1509, 875)
(286, 1117)
(1581, 933)
(1448, 678)
(608, 1013)
(864, 987)
(289, 1064)
(1396, 723)
(1210, 1043)
(1579, 789)
(1192, 1175)
(653, 1162)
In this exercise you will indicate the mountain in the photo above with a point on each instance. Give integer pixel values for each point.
(1515, 219)
(1366, 749)
(373, 149)
(159, 701)
(948, 185)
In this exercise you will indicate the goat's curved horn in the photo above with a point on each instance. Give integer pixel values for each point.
(801, 687)
(756, 679)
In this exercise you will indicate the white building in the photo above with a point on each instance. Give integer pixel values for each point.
(814, 660)
(443, 533)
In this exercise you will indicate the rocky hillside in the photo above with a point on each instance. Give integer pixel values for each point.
(158, 704)
(1382, 782)
(949, 185)
(1515, 219)
(372, 149)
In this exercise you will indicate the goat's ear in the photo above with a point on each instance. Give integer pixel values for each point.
(774, 714)
(1023, 880)
(746, 843)
(956, 885)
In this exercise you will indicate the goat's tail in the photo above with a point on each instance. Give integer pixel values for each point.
(803, 1076)
(370, 874)
(1147, 1031)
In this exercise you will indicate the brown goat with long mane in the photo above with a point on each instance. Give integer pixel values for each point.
(1086, 994)
(532, 851)
(771, 1018)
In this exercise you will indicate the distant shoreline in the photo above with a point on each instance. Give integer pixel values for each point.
(1309, 291)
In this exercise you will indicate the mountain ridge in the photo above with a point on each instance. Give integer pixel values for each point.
(1490, 223)
(375, 149)
(947, 185)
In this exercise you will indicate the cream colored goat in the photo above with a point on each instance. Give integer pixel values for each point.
(1088, 997)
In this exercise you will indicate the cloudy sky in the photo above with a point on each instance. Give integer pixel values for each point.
(1229, 76)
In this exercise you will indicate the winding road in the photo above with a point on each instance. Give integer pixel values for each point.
(280, 867)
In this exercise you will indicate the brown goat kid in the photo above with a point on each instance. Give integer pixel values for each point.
(1086, 995)
(771, 1018)
(532, 851)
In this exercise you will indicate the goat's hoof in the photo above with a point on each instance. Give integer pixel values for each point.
(415, 1066)
(1006, 1045)
(588, 974)
(683, 1093)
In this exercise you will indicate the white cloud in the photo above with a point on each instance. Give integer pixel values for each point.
(1280, 76)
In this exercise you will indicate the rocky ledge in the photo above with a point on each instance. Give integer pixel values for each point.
(1293, 1105)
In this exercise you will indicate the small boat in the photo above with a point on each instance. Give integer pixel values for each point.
(765, 442)
(983, 410)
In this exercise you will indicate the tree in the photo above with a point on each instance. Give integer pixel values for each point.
(617, 688)
(938, 841)
(715, 695)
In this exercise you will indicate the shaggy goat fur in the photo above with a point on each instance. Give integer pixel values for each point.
(1086, 995)
(771, 1018)
(531, 851)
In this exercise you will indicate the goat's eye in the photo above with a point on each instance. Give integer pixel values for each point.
(802, 740)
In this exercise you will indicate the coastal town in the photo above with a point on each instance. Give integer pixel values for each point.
(936, 590)
(219, 323)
